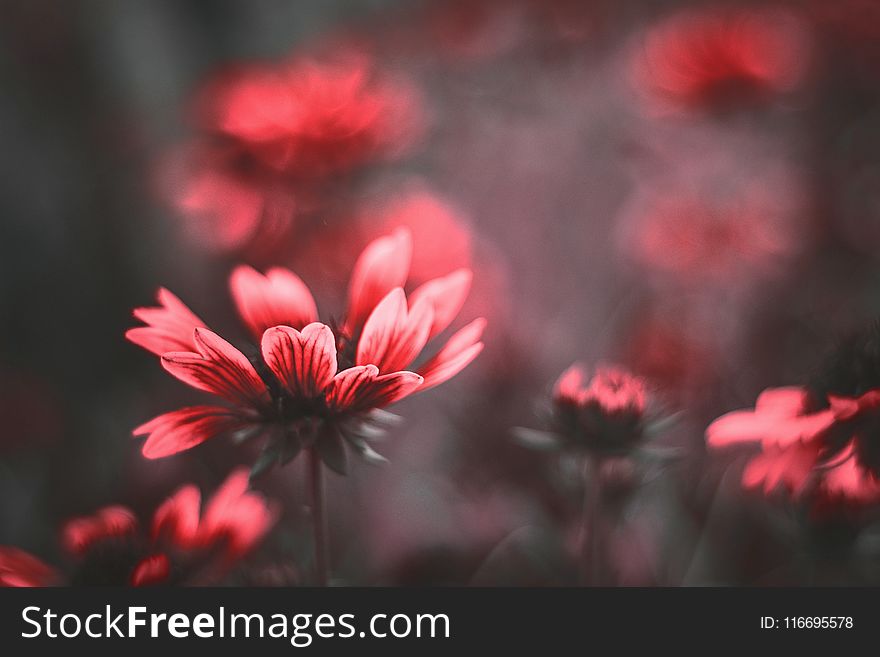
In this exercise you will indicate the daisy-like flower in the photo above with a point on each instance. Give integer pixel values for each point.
(272, 136)
(313, 385)
(182, 545)
(808, 450)
(312, 117)
(712, 59)
(606, 415)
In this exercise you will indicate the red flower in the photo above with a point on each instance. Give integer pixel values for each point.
(234, 521)
(273, 134)
(712, 58)
(20, 569)
(312, 118)
(313, 384)
(80, 534)
(607, 415)
(690, 235)
(613, 390)
(795, 453)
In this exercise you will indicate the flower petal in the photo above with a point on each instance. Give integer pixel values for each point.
(447, 295)
(850, 482)
(151, 570)
(20, 569)
(278, 298)
(383, 266)
(361, 388)
(790, 467)
(237, 515)
(169, 327)
(570, 387)
(218, 368)
(304, 361)
(185, 428)
(393, 336)
(778, 419)
(80, 534)
(177, 518)
(456, 354)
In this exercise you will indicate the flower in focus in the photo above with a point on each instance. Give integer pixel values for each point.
(313, 384)
(606, 415)
(109, 547)
(793, 433)
(713, 59)
(271, 134)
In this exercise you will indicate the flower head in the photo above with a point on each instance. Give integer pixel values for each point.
(607, 414)
(792, 432)
(604, 413)
(182, 545)
(312, 384)
(712, 59)
(272, 137)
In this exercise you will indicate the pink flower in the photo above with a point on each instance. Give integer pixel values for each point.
(612, 389)
(312, 385)
(711, 59)
(182, 542)
(691, 235)
(310, 117)
(606, 414)
(273, 136)
(81, 534)
(795, 453)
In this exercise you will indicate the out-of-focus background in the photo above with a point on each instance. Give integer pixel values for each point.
(688, 189)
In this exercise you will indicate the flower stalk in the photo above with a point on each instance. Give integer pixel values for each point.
(319, 517)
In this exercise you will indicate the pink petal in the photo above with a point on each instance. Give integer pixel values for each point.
(383, 266)
(278, 298)
(218, 368)
(178, 517)
(80, 534)
(850, 481)
(185, 428)
(784, 402)
(447, 295)
(778, 419)
(304, 362)
(790, 467)
(570, 387)
(21, 569)
(169, 327)
(456, 354)
(239, 516)
(151, 570)
(393, 336)
(361, 388)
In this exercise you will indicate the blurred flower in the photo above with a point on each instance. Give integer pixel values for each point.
(108, 547)
(81, 534)
(718, 58)
(725, 238)
(271, 134)
(314, 385)
(20, 569)
(606, 416)
(792, 432)
(311, 118)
